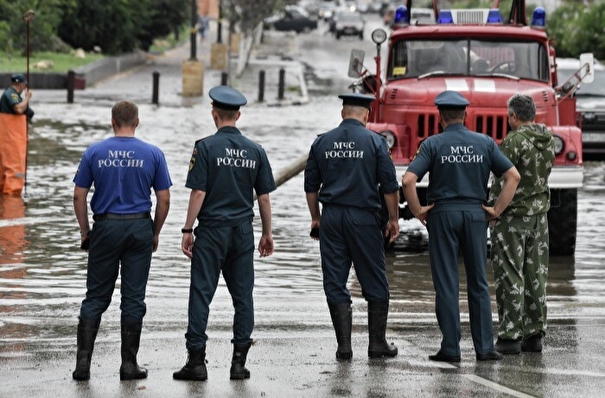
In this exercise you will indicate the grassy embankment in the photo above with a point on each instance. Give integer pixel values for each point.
(61, 63)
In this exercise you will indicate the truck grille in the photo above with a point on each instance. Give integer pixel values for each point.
(428, 125)
(494, 126)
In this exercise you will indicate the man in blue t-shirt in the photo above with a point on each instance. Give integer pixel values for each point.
(459, 162)
(123, 170)
(225, 171)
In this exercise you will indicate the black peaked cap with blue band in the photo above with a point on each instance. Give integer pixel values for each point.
(18, 78)
(225, 97)
(451, 100)
(356, 99)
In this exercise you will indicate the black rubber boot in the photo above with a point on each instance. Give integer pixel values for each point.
(377, 326)
(87, 333)
(131, 337)
(195, 368)
(532, 344)
(342, 319)
(508, 346)
(238, 370)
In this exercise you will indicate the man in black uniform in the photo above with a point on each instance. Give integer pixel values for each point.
(224, 171)
(459, 162)
(344, 170)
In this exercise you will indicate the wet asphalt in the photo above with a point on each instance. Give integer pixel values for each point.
(297, 359)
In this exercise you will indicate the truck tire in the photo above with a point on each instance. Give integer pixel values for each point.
(562, 221)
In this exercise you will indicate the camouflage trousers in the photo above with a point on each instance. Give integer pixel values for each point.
(519, 256)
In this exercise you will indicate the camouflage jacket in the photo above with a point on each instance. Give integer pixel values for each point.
(531, 148)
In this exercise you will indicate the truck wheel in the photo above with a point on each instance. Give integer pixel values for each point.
(562, 221)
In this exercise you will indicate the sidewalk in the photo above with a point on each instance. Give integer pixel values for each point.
(136, 84)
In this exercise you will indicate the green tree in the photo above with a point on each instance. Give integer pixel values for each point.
(119, 26)
(166, 16)
(42, 27)
(112, 24)
(577, 29)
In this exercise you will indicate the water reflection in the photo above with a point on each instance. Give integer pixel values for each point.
(12, 234)
(13, 244)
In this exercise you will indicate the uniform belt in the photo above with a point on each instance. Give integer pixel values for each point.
(113, 216)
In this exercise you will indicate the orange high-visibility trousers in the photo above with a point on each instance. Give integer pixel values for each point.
(13, 152)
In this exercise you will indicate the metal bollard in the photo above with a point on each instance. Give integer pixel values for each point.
(155, 96)
(71, 85)
(224, 78)
(282, 83)
(261, 86)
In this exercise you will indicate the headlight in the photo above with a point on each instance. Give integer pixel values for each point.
(390, 138)
(559, 145)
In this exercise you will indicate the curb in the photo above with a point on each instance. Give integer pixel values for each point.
(90, 74)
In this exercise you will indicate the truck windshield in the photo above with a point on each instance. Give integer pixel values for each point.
(418, 58)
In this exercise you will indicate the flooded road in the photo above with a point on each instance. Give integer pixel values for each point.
(42, 275)
(43, 272)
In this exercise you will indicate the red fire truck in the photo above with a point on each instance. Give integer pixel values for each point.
(487, 58)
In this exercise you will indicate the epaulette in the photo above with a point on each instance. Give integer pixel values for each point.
(202, 139)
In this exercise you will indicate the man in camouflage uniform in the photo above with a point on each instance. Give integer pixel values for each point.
(520, 235)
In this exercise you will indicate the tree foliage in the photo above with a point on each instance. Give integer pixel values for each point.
(13, 28)
(578, 29)
(114, 25)
(119, 26)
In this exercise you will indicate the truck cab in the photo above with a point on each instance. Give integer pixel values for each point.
(487, 60)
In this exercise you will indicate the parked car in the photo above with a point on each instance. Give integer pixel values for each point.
(291, 18)
(590, 102)
(346, 23)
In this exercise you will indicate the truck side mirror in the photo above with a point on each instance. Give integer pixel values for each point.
(587, 67)
(356, 63)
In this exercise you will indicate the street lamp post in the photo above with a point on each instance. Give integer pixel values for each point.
(28, 16)
(219, 28)
(193, 32)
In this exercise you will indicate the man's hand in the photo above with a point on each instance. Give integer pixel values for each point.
(491, 212)
(423, 213)
(187, 245)
(85, 243)
(392, 230)
(265, 245)
(315, 227)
